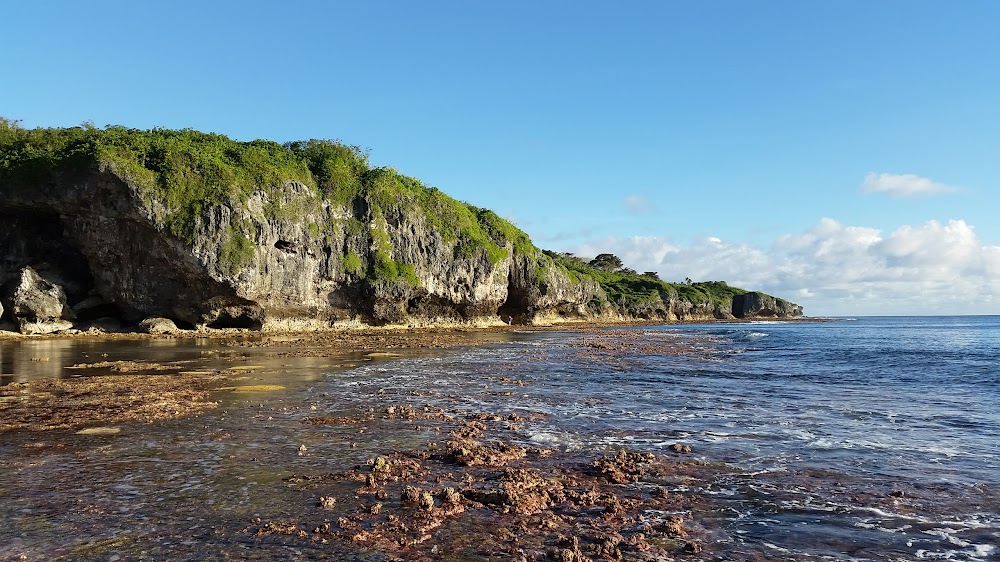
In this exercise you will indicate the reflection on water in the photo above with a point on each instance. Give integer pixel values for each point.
(35, 359)
(181, 489)
(21, 361)
(29, 359)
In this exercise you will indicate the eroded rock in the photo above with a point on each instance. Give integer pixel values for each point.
(104, 324)
(38, 305)
(158, 326)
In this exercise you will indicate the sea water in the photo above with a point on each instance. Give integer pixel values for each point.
(855, 439)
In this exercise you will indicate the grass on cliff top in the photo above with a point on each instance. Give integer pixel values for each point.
(630, 290)
(189, 171)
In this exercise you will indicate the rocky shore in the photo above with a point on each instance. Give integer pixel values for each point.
(286, 253)
(476, 495)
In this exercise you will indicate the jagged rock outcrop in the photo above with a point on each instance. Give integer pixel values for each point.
(546, 293)
(759, 305)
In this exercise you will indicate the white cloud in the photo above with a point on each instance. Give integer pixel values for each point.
(833, 269)
(903, 185)
(638, 249)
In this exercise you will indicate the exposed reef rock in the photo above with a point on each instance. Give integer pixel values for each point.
(210, 232)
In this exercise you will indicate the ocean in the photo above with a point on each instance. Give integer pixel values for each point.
(874, 438)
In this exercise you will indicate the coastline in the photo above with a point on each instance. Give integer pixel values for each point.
(363, 330)
(65, 378)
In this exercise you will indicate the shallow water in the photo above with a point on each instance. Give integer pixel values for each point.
(869, 439)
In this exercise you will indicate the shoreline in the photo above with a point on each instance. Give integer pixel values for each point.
(363, 330)
(25, 400)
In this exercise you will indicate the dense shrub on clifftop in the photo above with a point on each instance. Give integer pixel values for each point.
(188, 170)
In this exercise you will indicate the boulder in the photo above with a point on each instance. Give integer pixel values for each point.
(38, 305)
(158, 326)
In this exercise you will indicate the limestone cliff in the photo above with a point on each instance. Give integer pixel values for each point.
(96, 237)
(759, 305)
(206, 231)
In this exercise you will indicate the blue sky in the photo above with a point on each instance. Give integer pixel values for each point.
(841, 154)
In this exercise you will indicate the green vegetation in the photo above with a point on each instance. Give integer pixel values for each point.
(719, 292)
(630, 291)
(237, 251)
(352, 264)
(385, 271)
(344, 177)
(188, 173)
(188, 178)
(408, 274)
(606, 262)
(337, 169)
(383, 268)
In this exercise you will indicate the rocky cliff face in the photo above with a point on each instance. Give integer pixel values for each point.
(98, 240)
(110, 227)
(759, 305)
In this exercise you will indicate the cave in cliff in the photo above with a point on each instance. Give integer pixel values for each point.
(38, 240)
(514, 310)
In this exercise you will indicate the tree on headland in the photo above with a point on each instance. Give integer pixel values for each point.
(606, 262)
(651, 275)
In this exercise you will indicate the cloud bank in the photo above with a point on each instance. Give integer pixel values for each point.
(903, 185)
(833, 269)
